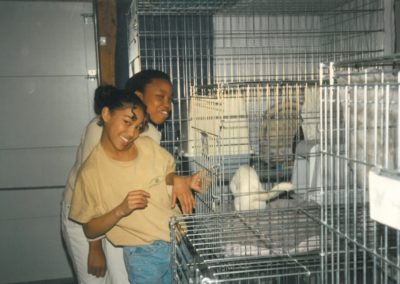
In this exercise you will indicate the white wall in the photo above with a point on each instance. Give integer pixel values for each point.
(46, 51)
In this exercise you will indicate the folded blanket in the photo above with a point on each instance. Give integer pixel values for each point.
(241, 249)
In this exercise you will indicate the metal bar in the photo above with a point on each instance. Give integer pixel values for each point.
(12, 188)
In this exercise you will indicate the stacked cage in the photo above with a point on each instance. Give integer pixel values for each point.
(247, 113)
(255, 123)
(360, 118)
(233, 238)
(209, 42)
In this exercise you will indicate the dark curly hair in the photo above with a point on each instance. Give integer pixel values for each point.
(114, 98)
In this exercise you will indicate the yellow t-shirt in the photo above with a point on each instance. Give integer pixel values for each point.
(90, 138)
(103, 183)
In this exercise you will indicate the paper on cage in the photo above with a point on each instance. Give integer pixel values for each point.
(384, 197)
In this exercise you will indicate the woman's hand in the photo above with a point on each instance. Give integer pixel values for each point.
(98, 226)
(136, 199)
(196, 181)
(181, 192)
(96, 259)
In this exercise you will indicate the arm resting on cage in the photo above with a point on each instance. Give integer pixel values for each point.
(181, 190)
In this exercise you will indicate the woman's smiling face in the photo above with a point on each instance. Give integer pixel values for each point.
(122, 127)
(157, 97)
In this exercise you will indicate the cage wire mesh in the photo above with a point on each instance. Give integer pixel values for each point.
(207, 42)
(249, 91)
(360, 133)
(277, 244)
(258, 124)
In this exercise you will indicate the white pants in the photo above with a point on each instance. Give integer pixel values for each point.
(78, 249)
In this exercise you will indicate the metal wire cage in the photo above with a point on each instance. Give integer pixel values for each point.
(278, 244)
(246, 92)
(257, 123)
(360, 118)
(209, 42)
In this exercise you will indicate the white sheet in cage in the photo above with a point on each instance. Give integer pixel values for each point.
(235, 249)
(384, 195)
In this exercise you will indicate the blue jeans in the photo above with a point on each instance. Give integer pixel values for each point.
(149, 264)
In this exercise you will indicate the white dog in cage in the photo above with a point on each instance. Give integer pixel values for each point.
(249, 193)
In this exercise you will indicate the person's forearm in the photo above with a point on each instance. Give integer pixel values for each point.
(100, 225)
(173, 179)
(96, 244)
(169, 180)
